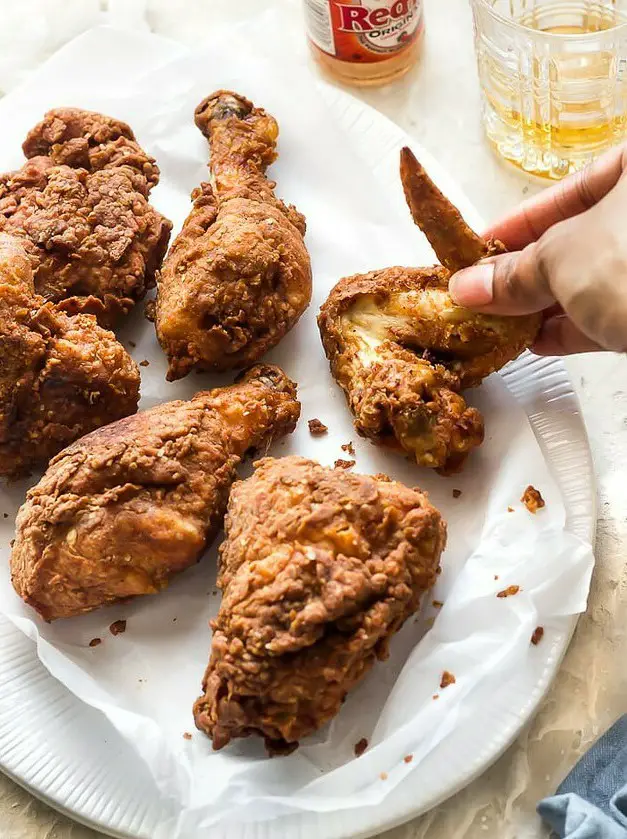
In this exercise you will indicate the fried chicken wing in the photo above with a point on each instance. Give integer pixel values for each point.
(80, 203)
(402, 350)
(238, 275)
(318, 570)
(61, 376)
(126, 507)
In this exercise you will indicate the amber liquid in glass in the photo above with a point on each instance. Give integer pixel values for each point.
(573, 107)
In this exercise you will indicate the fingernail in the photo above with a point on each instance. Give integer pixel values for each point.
(473, 286)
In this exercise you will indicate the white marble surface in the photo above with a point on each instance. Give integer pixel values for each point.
(438, 104)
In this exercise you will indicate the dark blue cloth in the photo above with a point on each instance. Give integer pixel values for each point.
(591, 803)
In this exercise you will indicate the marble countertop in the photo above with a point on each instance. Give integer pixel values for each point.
(438, 104)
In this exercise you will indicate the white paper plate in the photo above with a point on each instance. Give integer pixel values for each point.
(67, 753)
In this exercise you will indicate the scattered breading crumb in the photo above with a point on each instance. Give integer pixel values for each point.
(132, 344)
(437, 604)
(532, 499)
(381, 476)
(510, 509)
(95, 641)
(438, 570)
(447, 679)
(429, 622)
(173, 620)
(214, 592)
(457, 493)
(12, 542)
(117, 627)
(360, 747)
(5, 515)
(187, 736)
(144, 363)
(537, 635)
(317, 428)
(509, 591)
(384, 776)
(348, 447)
(408, 758)
(343, 464)
(496, 576)
(435, 696)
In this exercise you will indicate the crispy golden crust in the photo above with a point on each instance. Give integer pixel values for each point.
(80, 203)
(126, 507)
(61, 376)
(401, 349)
(238, 275)
(319, 569)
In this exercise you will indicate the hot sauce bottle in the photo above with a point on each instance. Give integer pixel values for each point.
(365, 42)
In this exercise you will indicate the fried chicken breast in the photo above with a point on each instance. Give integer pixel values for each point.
(238, 276)
(126, 507)
(318, 570)
(61, 376)
(80, 203)
(402, 350)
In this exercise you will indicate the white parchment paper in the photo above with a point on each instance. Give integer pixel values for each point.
(146, 680)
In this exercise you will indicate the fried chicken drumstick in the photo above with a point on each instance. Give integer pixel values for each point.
(126, 507)
(402, 350)
(318, 570)
(61, 376)
(238, 275)
(80, 203)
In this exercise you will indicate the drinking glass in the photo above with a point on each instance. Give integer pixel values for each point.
(553, 76)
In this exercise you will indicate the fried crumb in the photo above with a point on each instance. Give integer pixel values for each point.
(437, 604)
(496, 576)
(144, 363)
(117, 627)
(429, 622)
(509, 591)
(457, 493)
(360, 747)
(384, 776)
(447, 679)
(435, 696)
(12, 542)
(532, 499)
(214, 592)
(5, 515)
(316, 427)
(132, 344)
(438, 570)
(95, 642)
(510, 509)
(173, 620)
(348, 447)
(187, 736)
(343, 464)
(408, 758)
(537, 635)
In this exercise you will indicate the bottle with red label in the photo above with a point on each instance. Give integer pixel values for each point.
(365, 42)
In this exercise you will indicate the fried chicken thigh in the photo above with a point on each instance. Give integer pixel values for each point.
(319, 569)
(61, 376)
(80, 203)
(126, 507)
(238, 275)
(402, 350)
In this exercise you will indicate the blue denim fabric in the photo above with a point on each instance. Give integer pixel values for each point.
(592, 802)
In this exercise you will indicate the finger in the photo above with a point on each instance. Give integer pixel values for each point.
(572, 196)
(560, 336)
(509, 284)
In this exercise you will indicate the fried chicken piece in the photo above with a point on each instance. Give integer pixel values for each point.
(319, 569)
(80, 203)
(125, 508)
(238, 276)
(61, 376)
(402, 350)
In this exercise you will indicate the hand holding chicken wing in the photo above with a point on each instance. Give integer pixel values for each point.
(238, 275)
(126, 507)
(402, 349)
(318, 570)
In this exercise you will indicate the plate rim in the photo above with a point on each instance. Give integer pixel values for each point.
(570, 394)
